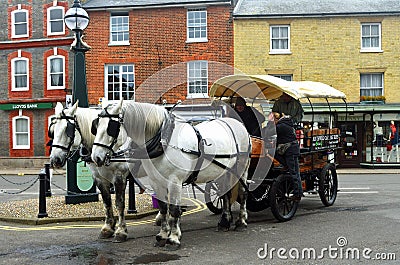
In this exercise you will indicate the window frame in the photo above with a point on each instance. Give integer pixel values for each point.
(14, 133)
(123, 42)
(372, 87)
(272, 38)
(371, 49)
(13, 75)
(287, 77)
(49, 86)
(197, 27)
(49, 21)
(13, 23)
(197, 77)
(106, 82)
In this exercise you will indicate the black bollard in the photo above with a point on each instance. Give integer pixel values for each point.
(131, 198)
(48, 187)
(42, 194)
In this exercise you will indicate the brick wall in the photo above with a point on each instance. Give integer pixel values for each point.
(322, 49)
(157, 42)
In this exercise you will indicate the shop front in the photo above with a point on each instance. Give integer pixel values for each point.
(382, 139)
(369, 135)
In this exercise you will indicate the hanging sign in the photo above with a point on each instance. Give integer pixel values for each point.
(84, 179)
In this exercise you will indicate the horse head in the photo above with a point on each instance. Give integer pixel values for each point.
(110, 134)
(63, 132)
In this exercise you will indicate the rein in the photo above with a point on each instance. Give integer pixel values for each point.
(154, 147)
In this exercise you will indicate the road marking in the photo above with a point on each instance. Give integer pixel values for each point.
(365, 188)
(357, 190)
(199, 206)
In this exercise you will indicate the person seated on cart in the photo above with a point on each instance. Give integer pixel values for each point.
(251, 118)
(288, 151)
(287, 105)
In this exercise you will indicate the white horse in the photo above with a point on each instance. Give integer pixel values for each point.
(213, 150)
(71, 128)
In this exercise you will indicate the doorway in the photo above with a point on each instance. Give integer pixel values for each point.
(350, 154)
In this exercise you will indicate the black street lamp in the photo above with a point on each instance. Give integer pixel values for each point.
(79, 180)
(77, 19)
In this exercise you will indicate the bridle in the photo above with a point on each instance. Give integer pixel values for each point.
(113, 127)
(70, 131)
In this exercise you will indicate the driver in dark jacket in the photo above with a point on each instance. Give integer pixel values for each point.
(286, 134)
(251, 117)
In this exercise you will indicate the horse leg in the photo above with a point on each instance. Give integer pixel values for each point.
(241, 222)
(174, 213)
(121, 234)
(158, 219)
(107, 230)
(175, 235)
(162, 236)
(226, 217)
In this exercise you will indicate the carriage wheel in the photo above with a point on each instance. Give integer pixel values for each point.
(282, 206)
(212, 198)
(328, 185)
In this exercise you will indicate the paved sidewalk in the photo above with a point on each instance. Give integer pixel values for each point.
(28, 171)
(356, 171)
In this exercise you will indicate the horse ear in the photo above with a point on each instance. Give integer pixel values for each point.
(119, 106)
(74, 107)
(59, 107)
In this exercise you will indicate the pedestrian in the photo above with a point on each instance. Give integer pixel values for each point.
(288, 151)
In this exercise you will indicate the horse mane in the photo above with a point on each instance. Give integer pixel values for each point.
(142, 118)
(84, 117)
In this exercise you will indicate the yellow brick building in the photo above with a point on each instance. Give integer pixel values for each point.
(352, 45)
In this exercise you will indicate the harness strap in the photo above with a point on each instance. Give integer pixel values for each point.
(210, 157)
(200, 146)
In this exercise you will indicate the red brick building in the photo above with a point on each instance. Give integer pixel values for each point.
(35, 65)
(144, 50)
(157, 51)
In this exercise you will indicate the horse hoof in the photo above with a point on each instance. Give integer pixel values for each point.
(240, 228)
(222, 228)
(160, 243)
(173, 246)
(106, 234)
(120, 238)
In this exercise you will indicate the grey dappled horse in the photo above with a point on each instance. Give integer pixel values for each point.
(215, 150)
(71, 128)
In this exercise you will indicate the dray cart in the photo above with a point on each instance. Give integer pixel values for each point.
(269, 185)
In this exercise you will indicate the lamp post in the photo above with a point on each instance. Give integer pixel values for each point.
(79, 179)
(76, 19)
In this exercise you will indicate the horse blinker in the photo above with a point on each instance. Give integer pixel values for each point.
(70, 130)
(95, 124)
(113, 128)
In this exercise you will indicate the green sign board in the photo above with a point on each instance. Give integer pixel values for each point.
(14, 106)
(84, 179)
